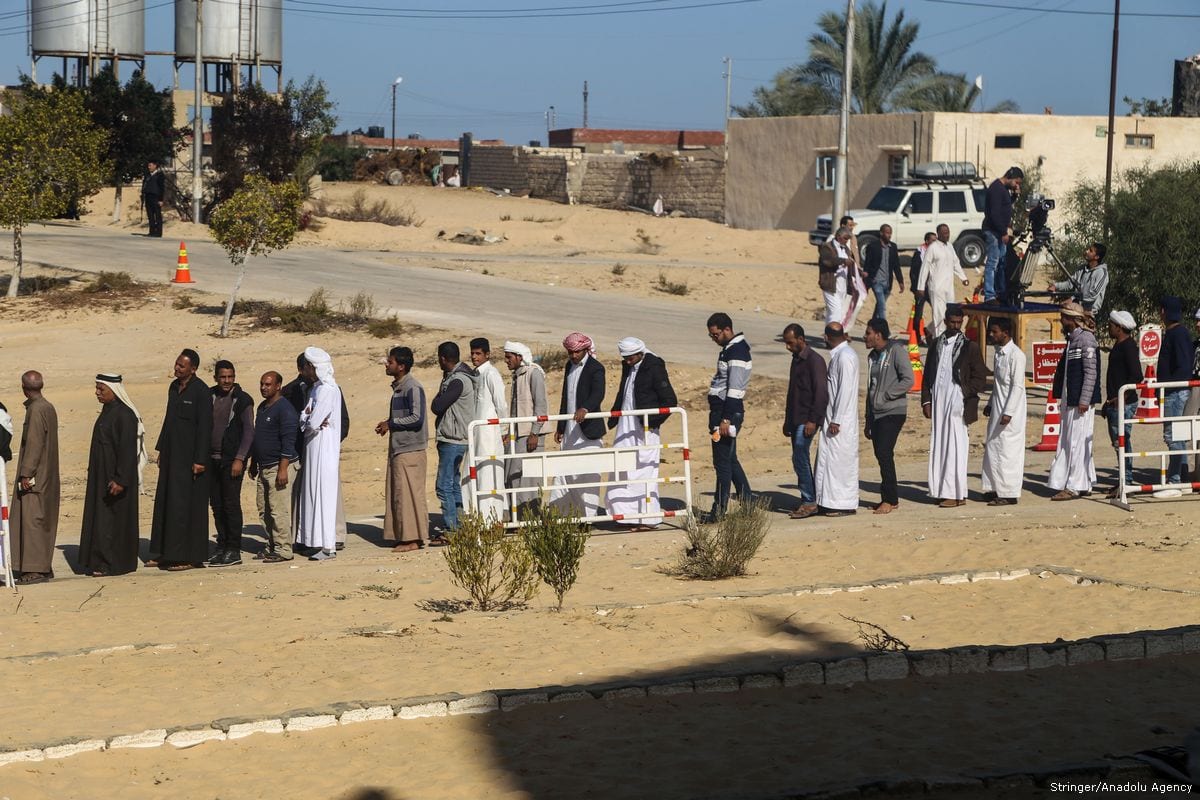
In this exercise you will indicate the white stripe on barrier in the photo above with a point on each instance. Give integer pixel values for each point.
(551, 465)
(1183, 428)
(5, 533)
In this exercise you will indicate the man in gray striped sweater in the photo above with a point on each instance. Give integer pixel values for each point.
(726, 410)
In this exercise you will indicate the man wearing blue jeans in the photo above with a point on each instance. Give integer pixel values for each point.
(1124, 367)
(997, 228)
(726, 410)
(807, 396)
(454, 408)
(1174, 364)
(881, 263)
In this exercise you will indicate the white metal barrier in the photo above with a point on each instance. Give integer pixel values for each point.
(1186, 429)
(551, 465)
(5, 532)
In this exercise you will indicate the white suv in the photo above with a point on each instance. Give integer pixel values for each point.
(918, 205)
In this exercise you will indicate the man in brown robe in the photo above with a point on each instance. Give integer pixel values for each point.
(34, 514)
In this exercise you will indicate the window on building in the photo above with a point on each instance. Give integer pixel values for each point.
(1009, 141)
(952, 203)
(826, 172)
(897, 167)
(920, 203)
(1140, 141)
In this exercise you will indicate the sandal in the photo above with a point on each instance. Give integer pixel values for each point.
(643, 528)
(28, 578)
(803, 512)
(273, 558)
(1065, 494)
(152, 563)
(180, 567)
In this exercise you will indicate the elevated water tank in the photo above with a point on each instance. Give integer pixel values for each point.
(233, 31)
(104, 29)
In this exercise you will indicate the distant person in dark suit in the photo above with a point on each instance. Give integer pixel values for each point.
(154, 188)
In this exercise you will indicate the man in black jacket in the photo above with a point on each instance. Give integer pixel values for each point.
(881, 264)
(1124, 367)
(582, 393)
(804, 413)
(154, 188)
(919, 301)
(232, 437)
(644, 384)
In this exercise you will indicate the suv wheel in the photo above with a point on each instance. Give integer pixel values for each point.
(863, 241)
(972, 252)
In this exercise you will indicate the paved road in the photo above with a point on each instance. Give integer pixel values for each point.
(406, 284)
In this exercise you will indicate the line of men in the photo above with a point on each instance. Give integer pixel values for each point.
(824, 399)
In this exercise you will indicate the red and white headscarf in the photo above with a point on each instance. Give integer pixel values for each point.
(579, 341)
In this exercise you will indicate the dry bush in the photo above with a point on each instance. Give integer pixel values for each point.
(618, 269)
(557, 545)
(723, 549)
(875, 637)
(111, 283)
(498, 571)
(669, 287)
(646, 243)
(362, 209)
(184, 302)
(415, 163)
(362, 306)
(388, 328)
(552, 359)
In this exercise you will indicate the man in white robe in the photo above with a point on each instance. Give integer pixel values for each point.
(1004, 445)
(644, 384)
(489, 439)
(1077, 382)
(939, 267)
(582, 393)
(954, 377)
(321, 427)
(837, 459)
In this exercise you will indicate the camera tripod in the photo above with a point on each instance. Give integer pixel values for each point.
(1040, 254)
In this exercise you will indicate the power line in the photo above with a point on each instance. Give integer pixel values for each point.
(1077, 12)
(521, 15)
(442, 11)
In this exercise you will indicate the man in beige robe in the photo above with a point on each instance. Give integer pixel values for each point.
(34, 512)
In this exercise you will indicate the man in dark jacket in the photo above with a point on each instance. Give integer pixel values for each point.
(1077, 383)
(1124, 367)
(582, 394)
(727, 410)
(889, 377)
(954, 376)
(919, 301)
(154, 188)
(804, 413)
(880, 265)
(179, 536)
(1174, 364)
(644, 384)
(232, 438)
(997, 230)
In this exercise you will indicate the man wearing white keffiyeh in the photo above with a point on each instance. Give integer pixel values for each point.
(320, 425)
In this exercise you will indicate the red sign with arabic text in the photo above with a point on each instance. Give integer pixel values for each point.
(1046, 356)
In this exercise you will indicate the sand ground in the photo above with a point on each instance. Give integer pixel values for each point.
(264, 639)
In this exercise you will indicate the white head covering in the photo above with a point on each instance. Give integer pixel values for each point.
(323, 363)
(1124, 319)
(519, 349)
(113, 381)
(631, 345)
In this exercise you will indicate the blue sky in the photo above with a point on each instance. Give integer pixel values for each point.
(497, 78)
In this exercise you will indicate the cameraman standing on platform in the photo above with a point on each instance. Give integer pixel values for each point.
(997, 229)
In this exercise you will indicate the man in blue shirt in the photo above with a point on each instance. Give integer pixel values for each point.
(273, 463)
(997, 229)
(1174, 364)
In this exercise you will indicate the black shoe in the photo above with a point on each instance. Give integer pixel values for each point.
(229, 558)
(215, 558)
(340, 546)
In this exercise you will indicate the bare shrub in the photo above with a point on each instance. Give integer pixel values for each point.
(110, 282)
(557, 545)
(875, 637)
(361, 209)
(646, 243)
(361, 306)
(385, 328)
(723, 549)
(618, 269)
(550, 360)
(670, 287)
(498, 571)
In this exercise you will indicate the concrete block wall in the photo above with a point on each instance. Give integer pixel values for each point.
(500, 168)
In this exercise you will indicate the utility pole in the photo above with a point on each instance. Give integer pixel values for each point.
(1112, 111)
(395, 84)
(839, 174)
(198, 121)
(585, 109)
(728, 76)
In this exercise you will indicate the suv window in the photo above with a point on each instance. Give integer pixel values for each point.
(952, 203)
(920, 203)
(980, 194)
(887, 199)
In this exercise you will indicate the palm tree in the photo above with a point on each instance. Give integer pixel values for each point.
(955, 93)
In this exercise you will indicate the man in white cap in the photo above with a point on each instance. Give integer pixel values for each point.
(320, 426)
(489, 445)
(528, 400)
(644, 384)
(1124, 366)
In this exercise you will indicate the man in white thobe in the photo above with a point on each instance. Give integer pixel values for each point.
(1004, 446)
(1077, 382)
(582, 393)
(644, 384)
(489, 439)
(321, 427)
(837, 459)
(954, 377)
(939, 267)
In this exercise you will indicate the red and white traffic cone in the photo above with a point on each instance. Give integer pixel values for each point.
(1051, 426)
(1148, 398)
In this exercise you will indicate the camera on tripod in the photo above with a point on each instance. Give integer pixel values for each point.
(1038, 208)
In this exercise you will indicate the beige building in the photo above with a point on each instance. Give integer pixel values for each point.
(781, 169)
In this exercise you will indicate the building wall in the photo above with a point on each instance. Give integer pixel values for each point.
(771, 178)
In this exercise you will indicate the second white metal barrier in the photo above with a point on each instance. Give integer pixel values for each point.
(1182, 429)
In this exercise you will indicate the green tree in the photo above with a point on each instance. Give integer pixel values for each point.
(1152, 249)
(953, 92)
(260, 218)
(337, 161)
(50, 155)
(275, 136)
(1148, 107)
(141, 124)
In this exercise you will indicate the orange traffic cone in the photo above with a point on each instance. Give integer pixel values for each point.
(182, 273)
(1148, 398)
(1051, 426)
(914, 356)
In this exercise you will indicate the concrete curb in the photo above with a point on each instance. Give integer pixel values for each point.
(866, 668)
